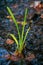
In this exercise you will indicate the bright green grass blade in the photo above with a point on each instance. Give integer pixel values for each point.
(10, 12)
(24, 22)
(20, 45)
(26, 34)
(14, 38)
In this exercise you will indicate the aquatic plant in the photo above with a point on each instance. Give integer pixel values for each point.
(21, 42)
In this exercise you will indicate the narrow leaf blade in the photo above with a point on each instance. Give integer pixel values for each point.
(14, 38)
(24, 22)
(26, 34)
(10, 12)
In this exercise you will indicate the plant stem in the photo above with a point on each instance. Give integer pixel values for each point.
(24, 23)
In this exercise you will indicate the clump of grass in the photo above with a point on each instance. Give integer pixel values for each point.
(22, 37)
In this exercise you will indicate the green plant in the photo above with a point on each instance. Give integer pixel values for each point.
(22, 38)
